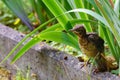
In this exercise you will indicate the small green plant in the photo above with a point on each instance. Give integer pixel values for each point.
(19, 75)
(24, 75)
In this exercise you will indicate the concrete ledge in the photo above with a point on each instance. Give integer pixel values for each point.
(46, 62)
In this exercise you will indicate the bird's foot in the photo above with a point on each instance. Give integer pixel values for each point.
(85, 64)
(95, 71)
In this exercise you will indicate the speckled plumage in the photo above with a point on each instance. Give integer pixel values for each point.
(91, 45)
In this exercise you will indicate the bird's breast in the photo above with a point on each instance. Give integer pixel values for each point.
(88, 48)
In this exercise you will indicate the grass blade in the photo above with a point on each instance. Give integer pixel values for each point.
(16, 7)
(25, 48)
(117, 7)
(97, 16)
(79, 4)
(24, 39)
(62, 37)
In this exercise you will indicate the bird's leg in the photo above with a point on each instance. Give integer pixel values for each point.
(86, 63)
(96, 70)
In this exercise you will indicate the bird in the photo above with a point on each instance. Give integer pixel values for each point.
(91, 45)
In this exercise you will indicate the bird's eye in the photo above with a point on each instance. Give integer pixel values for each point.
(80, 30)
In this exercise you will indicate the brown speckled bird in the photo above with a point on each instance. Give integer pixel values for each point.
(91, 45)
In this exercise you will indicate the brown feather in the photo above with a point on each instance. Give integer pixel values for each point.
(91, 45)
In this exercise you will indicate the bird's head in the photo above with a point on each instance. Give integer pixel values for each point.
(79, 30)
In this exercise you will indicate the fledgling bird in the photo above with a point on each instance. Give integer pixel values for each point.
(91, 45)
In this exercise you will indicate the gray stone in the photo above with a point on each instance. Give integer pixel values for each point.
(46, 62)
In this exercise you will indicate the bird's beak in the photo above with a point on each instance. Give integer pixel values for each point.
(71, 30)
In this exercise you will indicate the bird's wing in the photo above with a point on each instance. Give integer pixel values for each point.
(97, 41)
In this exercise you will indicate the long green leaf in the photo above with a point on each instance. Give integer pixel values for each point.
(79, 4)
(112, 26)
(97, 16)
(38, 9)
(60, 37)
(55, 27)
(17, 8)
(24, 39)
(54, 7)
(25, 48)
(117, 7)
(81, 21)
(67, 5)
